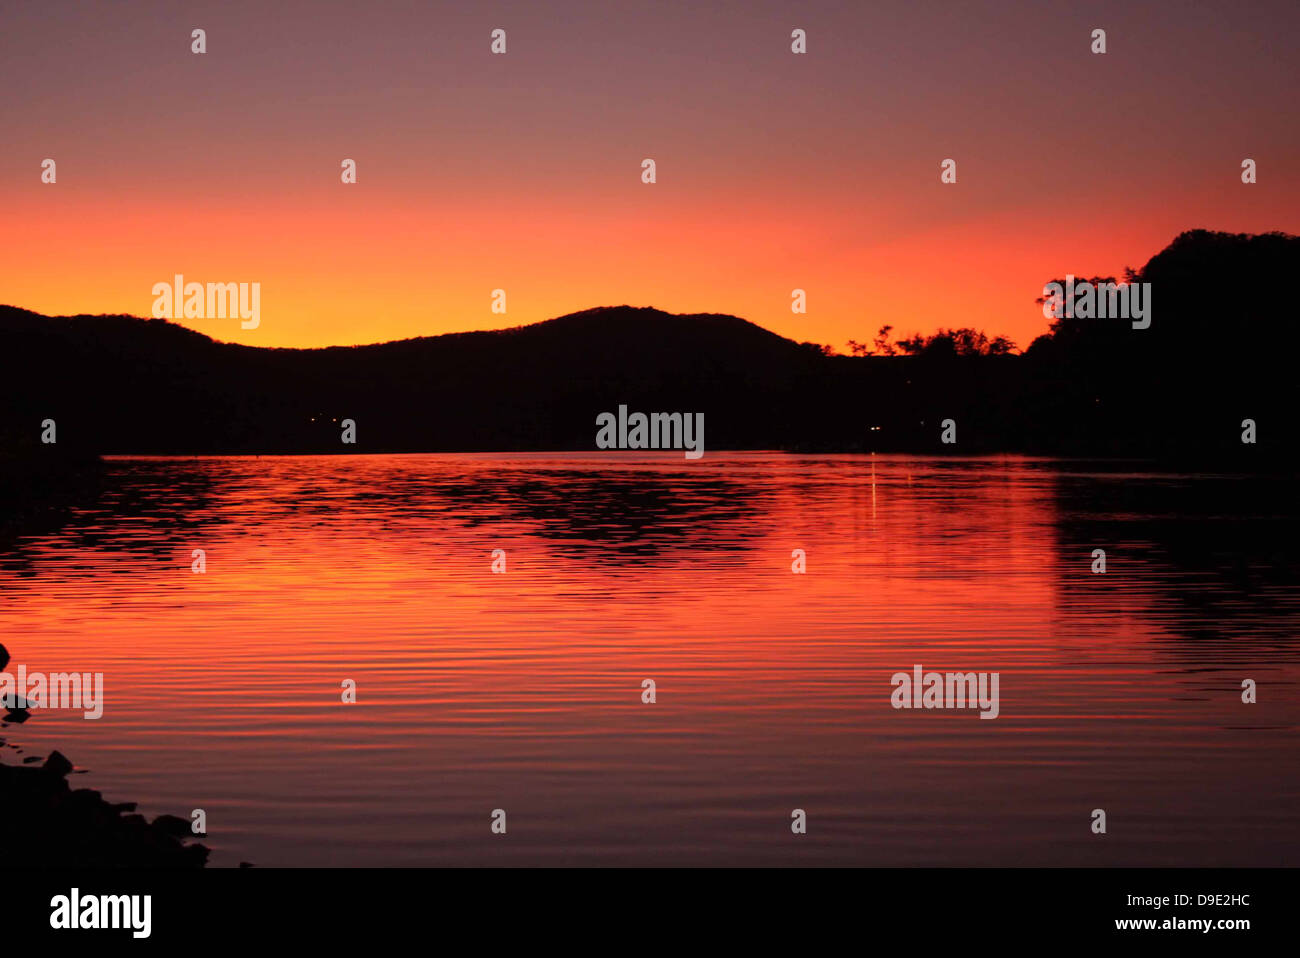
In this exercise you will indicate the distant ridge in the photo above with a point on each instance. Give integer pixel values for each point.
(1220, 350)
(121, 383)
(595, 321)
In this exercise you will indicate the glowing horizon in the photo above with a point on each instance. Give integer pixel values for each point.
(521, 172)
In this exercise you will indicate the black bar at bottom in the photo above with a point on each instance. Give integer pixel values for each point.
(621, 908)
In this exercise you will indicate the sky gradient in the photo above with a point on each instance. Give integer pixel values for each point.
(522, 171)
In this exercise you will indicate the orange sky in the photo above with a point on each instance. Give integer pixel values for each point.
(521, 171)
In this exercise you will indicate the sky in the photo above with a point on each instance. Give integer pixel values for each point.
(522, 171)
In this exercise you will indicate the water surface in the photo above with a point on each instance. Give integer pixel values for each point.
(522, 691)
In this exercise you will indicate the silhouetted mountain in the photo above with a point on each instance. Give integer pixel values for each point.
(117, 384)
(1218, 351)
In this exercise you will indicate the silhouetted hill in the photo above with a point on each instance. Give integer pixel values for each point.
(118, 384)
(1219, 350)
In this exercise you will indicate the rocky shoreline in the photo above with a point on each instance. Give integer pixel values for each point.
(45, 823)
